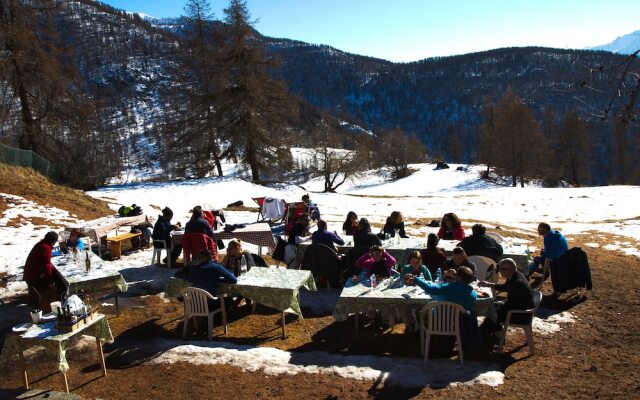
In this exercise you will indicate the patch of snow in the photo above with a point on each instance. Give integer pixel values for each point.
(551, 321)
(394, 371)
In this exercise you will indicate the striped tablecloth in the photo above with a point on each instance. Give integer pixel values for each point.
(258, 234)
(100, 227)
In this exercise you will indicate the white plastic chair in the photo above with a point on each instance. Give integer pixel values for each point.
(485, 268)
(443, 319)
(196, 305)
(528, 330)
(495, 237)
(157, 253)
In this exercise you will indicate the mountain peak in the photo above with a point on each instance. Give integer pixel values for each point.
(626, 44)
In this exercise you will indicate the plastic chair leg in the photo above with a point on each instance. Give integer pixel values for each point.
(427, 342)
(503, 337)
(459, 344)
(528, 331)
(186, 325)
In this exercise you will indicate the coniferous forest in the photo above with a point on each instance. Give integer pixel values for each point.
(102, 93)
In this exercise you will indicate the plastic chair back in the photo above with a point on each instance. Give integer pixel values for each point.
(485, 268)
(443, 318)
(195, 302)
(495, 237)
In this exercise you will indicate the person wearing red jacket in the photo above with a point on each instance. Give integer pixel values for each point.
(41, 275)
(451, 228)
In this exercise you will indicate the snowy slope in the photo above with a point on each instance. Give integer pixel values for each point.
(626, 44)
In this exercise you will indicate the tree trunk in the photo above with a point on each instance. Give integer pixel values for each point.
(514, 180)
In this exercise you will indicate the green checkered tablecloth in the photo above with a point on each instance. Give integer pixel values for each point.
(360, 297)
(272, 287)
(47, 336)
(102, 275)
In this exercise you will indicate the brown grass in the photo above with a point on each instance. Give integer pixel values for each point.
(242, 208)
(27, 183)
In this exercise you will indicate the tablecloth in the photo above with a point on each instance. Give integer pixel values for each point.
(100, 227)
(272, 287)
(47, 336)
(360, 297)
(258, 234)
(102, 275)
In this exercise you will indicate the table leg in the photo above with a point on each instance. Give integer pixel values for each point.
(259, 250)
(422, 344)
(357, 319)
(23, 365)
(115, 250)
(283, 326)
(115, 294)
(65, 382)
(101, 357)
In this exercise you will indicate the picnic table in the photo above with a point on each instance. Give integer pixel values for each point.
(99, 228)
(358, 296)
(258, 234)
(101, 276)
(46, 335)
(276, 288)
(515, 249)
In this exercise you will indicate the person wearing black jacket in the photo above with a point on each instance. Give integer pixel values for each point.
(519, 296)
(162, 232)
(197, 223)
(395, 222)
(479, 244)
(364, 237)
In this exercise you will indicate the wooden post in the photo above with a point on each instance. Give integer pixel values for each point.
(101, 357)
(283, 326)
(23, 365)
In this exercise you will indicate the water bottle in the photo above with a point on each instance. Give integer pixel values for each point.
(87, 261)
(396, 236)
(439, 275)
(243, 265)
(374, 283)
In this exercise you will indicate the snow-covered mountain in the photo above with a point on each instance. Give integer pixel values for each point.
(626, 44)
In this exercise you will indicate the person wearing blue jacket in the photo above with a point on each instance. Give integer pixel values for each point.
(197, 223)
(206, 274)
(459, 292)
(555, 245)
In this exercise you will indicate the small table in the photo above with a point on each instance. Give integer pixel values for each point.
(116, 243)
(258, 234)
(101, 276)
(47, 336)
(99, 228)
(273, 287)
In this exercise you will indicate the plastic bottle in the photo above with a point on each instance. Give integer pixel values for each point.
(374, 283)
(439, 275)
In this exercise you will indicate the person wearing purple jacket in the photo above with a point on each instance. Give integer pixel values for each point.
(323, 236)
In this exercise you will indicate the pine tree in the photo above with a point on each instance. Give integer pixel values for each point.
(574, 149)
(521, 149)
(255, 108)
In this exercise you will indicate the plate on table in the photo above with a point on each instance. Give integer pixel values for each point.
(22, 327)
(47, 318)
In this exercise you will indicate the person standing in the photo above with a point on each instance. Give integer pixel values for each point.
(162, 232)
(42, 278)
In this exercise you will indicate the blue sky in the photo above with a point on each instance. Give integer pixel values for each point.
(409, 30)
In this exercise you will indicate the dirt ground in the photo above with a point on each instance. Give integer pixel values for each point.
(597, 357)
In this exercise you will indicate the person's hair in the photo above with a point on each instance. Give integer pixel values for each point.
(510, 262)
(197, 210)
(453, 218)
(396, 217)
(478, 229)
(459, 250)
(51, 238)
(206, 253)
(236, 242)
(377, 248)
(305, 197)
(546, 226)
(304, 218)
(432, 240)
(465, 274)
(322, 225)
(74, 232)
(350, 215)
(415, 254)
(364, 225)
(167, 212)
